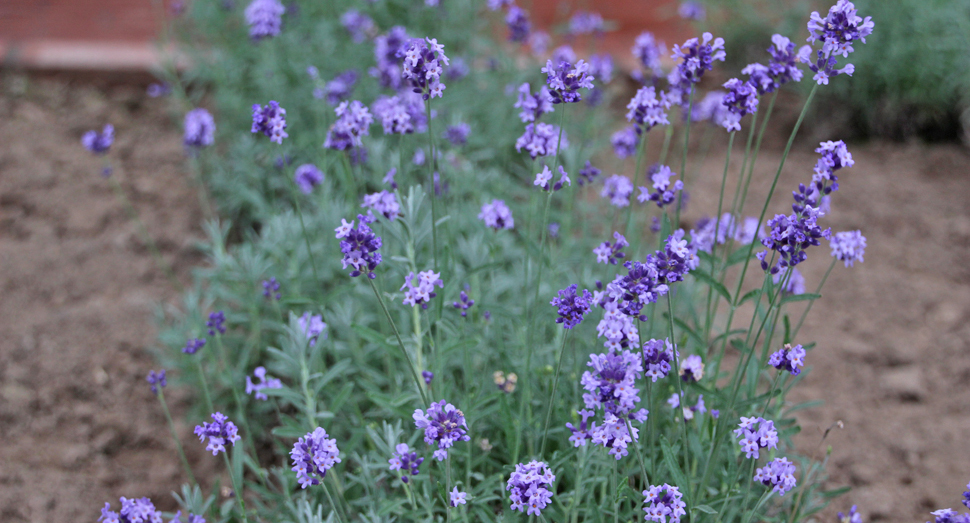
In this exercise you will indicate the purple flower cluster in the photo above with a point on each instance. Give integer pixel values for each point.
(530, 486)
(585, 22)
(949, 515)
(692, 369)
(384, 203)
(755, 434)
(359, 246)
(312, 326)
(611, 385)
(427, 375)
(359, 25)
(262, 383)
(601, 66)
(200, 128)
(625, 142)
(662, 502)
(313, 455)
(132, 511)
(401, 114)
(692, 10)
(420, 288)
(405, 460)
(353, 122)
(191, 518)
(464, 303)
(646, 110)
(565, 81)
(339, 89)
(457, 134)
(264, 18)
(710, 231)
(782, 67)
(307, 176)
(517, 20)
(741, 99)
(611, 253)
(788, 358)
(543, 178)
(389, 52)
(663, 190)
(618, 328)
(99, 143)
(794, 284)
(270, 120)
(687, 410)
(779, 474)
(618, 189)
(219, 432)
(839, 29)
(572, 306)
(443, 425)
(456, 497)
(710, 108)
(271, 289)
(848, 246)
(695, 57)
(157, 380)
(657, 355)
(216, 323)
(790, 236)
(496, 215)
(423, 61)
(533, 106)
(541, 139)
(648, 50)
(588, 174)
(193, 345)
(851, 517)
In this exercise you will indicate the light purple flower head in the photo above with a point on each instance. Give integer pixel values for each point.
(625, 142)
(839, 29)
(741, 99)
(401, 114)
(663, 502)
(307, 176)
(533, 106)
(99, 143)
(457, 498)
(611, 253)
(313, 455)
(443, 425)
(423, 64)
(264, 18)
(848, 246)
(530, 486)
(200, 128)
(795, 284)
(572, 306)
(132, 511)
(541, 139)
(788, 358)
(157, 380)
(565, 80)
(517, 20)
(852, 517)
(663, 191)
(405, 460)
(658, 354)
(755, 434)
(384, 203)
(779, 474)
(219, 432)
(692, 10)
(694, 58)
(353, 123)
(648, 50)
(618, 189)
(359, 246)
(692, 368)
(340, 88)
(585, 22)
(497, 215)
(781, 69)
(262, 382)
(647, 110)
(359, 25)
(312, 326)
(419, 288)
(601, 66)
(457, 134)
(389, 53)
(270, 121)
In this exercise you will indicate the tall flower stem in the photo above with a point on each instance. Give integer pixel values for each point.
(616, 490)
(333, 506)
(175, 436)
(641, 147)
(717, 225)
(683, 158)
(680, 386)
(636, 447)
(668, 134)
(235, 488)
(801, 320)
(205, 386)
(552, 398)
(757, 149)
(432, 164)
(306, 237)
(400, 342)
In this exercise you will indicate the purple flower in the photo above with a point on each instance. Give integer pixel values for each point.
(340, 87)
(966, 497)
(611, 253)
(618, 328)
(741, 99)
(271, 289)
(572, 306)
(541, 139)
(157, 380)
(99, 143)
(662, 502)
(191, 518)
(788, 358)
(695, 57)
(423, 61)
(839, 29)
(193, 345)
(848, 246)
(389, 53)
(539, 42)
(200, 128)
(464, 303)
(587, 174)
(312, 326)
(688, 411)
(420, 288)
(270, 120)
(851, 517)
(427, 375)
(948, 515)
(625, 142)
(216, 322)
(359, 246)
(262, 383)
(710, 108)
(219, 432)
(533, 105)
(457, 134)
(543, 178)
(692, 369)
(710, 230)
(405, 460)
(264, 18)
(657, 354)
(646, 110)
(692, 10)
(517, 20)
(495, 5)
(565, 81)
(585, 22)
(313, 455)
(618, 189)
(132, 511)
(384, 203)
(389, 178)
(156, 90)
(601, 66)
(443, 425)
(795, 284)
(359, 25)
(779, 473)
(458, 69)
(401, 114)
(782, 67)
(307, 176)
(353, 122)
(648, 50)
(755, 434)
(497, 215)
(663, 192)
(529, 487)
(457, 498)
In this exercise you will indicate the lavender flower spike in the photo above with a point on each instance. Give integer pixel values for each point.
(755, 434)
(848, 246)
(157, 380)
(307, 176)
(664, 192)
(132, 511)
(611, 253)
(200, 128)
(193, 345)
(264, 18)
(99, 143)
(443, 425)
(572, 306)
(565, 81)
(313, 455)
(262, 383)
(742, 99)
(788, 358)
(219, 432)
(457, 498)
(405, 460)
(529, 487)
(353, 123)
(779, 473)
(312, 326)
(359, 246)
(270, 121)
(497, 215)
(423, 61)
(662, 502)
(420, 288)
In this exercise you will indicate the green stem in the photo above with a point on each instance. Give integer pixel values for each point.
(333, 506)
(754, 158)
(175, 436)
(306, 237)
(801, 320)
(717, 225)
(683, 160)
(235, 487)
(680, 386)
(636, 447)
(432, 164)
(205, 385)
(400, 342)
(641, 147)
(552, 398)
(668, 134)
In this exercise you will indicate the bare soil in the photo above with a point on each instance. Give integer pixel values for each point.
(79, 288)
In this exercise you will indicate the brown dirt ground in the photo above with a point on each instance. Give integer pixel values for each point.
(80, 426)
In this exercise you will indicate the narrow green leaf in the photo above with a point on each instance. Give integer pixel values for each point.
(754, 293)
(693, 334)
(705, 509)
(716, 285)
(739, 255)
(372, 335)
(830, 494)
(800, 297)
(671, 461)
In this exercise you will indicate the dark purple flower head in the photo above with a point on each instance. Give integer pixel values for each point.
(463, 303)
(193, 345)
(313, 455)
(966, 497)
(423, 64)
(788, 358)
(401, 114)
(497, 215)
(755, 434)
(663, 191)
(824, 67)
(340, 88)
(572, 306)
(200, 128)
(262, 382)
(99, 143)
(270, 120)
(405, 460)
(585, 22)
(741, 99)
(307, 176)
(648, 50)
(359, 25)
(533, 106)
(782, 67)
(389, 53)
(694, 58)
(132, 511)
(419, 288)
(848, 246)
(216, 322)
(663, 502)
(692, 10)
(611, 253)
(271, 289)
(443, 425)
(588, 174)
(264, 18)
(790, 237)
(457, 134)
(625, 142)
(157, 380)
(427, 375)
(677, 258)
(541, 139)
(359, 246)
(658, 354)
(384, 203)
(839, 29)
(517, 20)
(779, 474)
(646, 110)
(219, 432)
(618, 189)
(565, 80)
(353, 123)
(530, 487)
